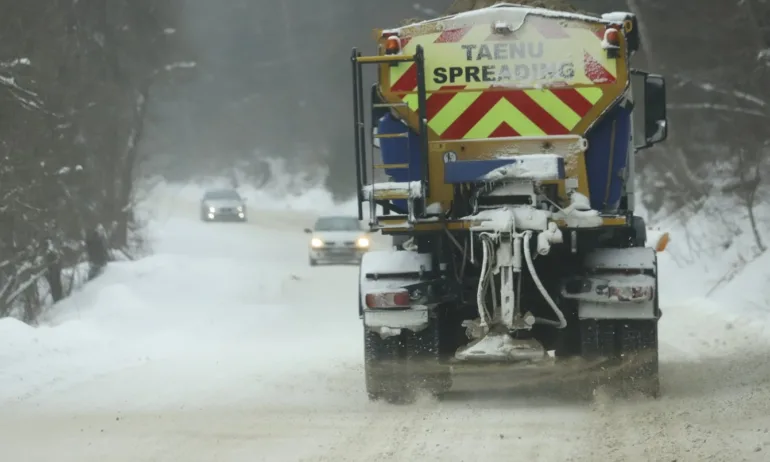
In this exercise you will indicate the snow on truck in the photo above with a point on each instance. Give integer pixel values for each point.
(506, 139)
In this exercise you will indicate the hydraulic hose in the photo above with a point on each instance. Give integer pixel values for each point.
(485, 280)
(480, 292)
(562, 323)
(491, 280)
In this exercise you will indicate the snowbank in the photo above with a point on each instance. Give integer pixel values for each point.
(714, 284)
(713, 253)
(220, 295)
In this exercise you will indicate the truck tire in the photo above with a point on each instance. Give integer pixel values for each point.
(631, 349)
(568, 340)
(639, 349)
(384, 368)
(628, 349)
(424, 361)
(397, 367)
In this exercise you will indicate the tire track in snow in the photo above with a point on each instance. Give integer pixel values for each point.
(714, 405)
(480, 429)
(632, 430)
(383, 436)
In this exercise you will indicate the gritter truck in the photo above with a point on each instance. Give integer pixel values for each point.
(498, 152)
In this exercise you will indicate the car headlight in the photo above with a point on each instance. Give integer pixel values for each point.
(362, 242)
(316, 243)
(240, 208)
(212, 209)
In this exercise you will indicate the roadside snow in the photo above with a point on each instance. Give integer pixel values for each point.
(211, 293)
(714, 284)
(165, 308)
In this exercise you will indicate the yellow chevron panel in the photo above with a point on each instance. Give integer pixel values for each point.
(449, 113)
(412, 101)
(506, 112)
(592, 94)
(530, 60)
(554, 106)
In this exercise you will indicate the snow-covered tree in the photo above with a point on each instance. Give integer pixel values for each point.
(74, 81)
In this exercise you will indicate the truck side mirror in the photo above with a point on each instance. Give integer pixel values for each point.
(656, 121)
(650, 117)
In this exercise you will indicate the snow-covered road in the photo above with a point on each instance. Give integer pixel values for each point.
(226, 346)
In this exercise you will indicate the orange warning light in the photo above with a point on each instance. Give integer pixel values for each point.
(392, 45)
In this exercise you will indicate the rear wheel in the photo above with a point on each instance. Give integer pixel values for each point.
(567, 345)
(424, 360)
(384, 368)
(631, 349)
(639, 350)
(397, 367)
(627, 349)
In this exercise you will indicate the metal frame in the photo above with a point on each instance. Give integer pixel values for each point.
(422, 112)
(358, 128)
(357, 61)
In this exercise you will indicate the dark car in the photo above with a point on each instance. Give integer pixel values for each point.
(223, 205)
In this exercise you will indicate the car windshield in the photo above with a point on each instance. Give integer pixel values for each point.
(222, 194)
(337, 224)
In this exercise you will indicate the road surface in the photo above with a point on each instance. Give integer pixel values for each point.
(226, 346)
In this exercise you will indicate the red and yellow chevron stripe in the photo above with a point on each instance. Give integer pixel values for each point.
(457, 114)
(472, 108)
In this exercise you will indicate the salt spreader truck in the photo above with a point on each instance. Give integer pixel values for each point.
(506, 140)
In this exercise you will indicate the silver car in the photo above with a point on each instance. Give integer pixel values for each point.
(223, 205)
(337, 239)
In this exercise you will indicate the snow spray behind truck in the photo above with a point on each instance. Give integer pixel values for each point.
(506, 138)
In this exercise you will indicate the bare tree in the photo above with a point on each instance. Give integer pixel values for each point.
(73, 81)
(747, 186)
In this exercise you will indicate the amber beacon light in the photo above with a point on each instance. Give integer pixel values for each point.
(392, 45)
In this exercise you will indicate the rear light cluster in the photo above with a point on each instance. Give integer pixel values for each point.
(396, 299)
(631, 293)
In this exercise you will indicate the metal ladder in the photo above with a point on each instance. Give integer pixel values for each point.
(386, 193)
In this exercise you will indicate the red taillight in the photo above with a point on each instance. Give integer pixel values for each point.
(612, 36)
(398, 299)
